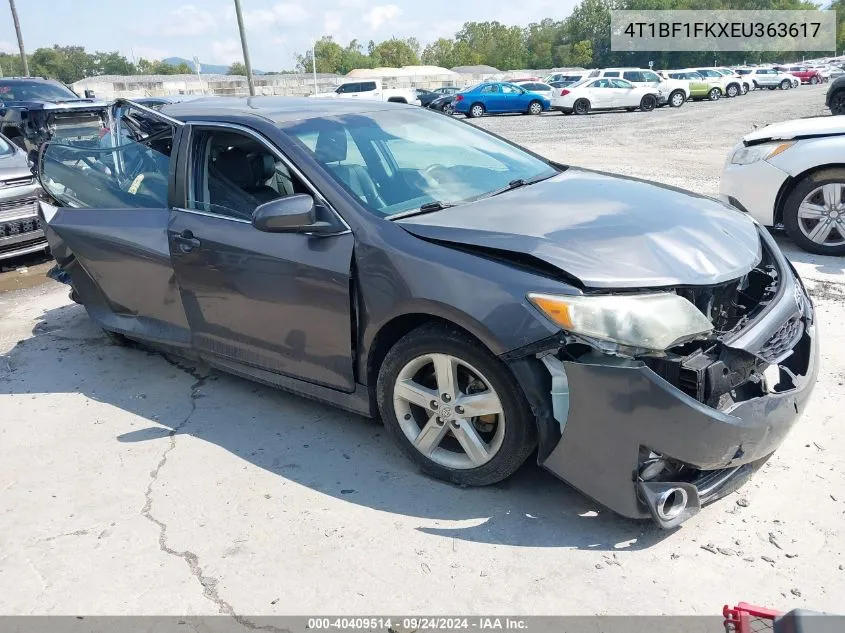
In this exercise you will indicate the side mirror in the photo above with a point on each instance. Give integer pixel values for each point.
(291, 214)
(89, 94)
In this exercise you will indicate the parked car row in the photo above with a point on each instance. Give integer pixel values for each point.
(613, 88)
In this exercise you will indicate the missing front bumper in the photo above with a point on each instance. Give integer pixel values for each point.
(614, 410)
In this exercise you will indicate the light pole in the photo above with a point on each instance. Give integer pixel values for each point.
(20, 38)
(245, 48)
(314, 63)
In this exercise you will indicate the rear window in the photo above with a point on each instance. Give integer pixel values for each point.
(35, 91)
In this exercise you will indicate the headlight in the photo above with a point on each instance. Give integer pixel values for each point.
(763, 151)
(652, 322)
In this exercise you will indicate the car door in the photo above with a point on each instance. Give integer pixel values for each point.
(277, 302)
(619, 94)
(514, 98)
(598, 93)
(349, 91)
(109, 231)
(491, 97)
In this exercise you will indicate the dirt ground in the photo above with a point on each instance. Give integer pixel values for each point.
(129, 485)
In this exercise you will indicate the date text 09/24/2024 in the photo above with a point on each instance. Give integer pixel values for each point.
(419, 623)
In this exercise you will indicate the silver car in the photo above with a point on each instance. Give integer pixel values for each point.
(20, 228)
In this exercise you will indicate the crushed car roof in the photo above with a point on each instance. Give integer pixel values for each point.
(278, 109)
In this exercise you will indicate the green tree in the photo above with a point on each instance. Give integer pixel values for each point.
(353, 57)
(541, 40)
(394, 53)
(327, 53)
(112, 63)
(494, 43)
(237, 69)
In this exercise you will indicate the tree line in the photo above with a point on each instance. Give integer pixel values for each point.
(581, 39)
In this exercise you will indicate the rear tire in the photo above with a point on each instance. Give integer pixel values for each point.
(677, 98)
(799, 228)
(475, 110)
(714, 94)
(648, 103)
(814, 81)
(581, 106)
(745, 88)
(785, 84)
(733, 90)
(508, 439)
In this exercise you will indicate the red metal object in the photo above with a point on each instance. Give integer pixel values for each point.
(749, 618)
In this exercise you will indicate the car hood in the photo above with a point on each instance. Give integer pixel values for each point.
(606, 231)
(798, 128)
(70, 104)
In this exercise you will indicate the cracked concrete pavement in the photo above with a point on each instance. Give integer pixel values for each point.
(133, 485)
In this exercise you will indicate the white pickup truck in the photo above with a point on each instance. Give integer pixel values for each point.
(370, 90)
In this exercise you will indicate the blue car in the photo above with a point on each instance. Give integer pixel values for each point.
(499, 97)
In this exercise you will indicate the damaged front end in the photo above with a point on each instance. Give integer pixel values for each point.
(659, 434)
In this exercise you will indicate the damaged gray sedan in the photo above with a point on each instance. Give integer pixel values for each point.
(652, 347)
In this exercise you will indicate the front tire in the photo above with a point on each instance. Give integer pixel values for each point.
(814, 212)
(733, 90)
(582, 106)
(535, 108)
(745, 89)
(785, 84)
(429, 385)
(814, 81)
(714, 94)
(677, 98)
(648, 103)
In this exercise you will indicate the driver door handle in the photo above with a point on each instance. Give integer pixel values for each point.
(186, 241)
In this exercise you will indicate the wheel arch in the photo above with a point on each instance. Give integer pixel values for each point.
(791, 182)
(397, 100)
(389, 333)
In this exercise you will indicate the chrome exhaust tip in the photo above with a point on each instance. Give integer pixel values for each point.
(669, 503)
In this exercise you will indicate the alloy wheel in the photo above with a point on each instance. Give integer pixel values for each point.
(449, 411)
(677, 99)
(821, 215)
(477, 111)
(733, 91)
(535, 108)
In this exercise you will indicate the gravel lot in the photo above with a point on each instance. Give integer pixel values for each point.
(130, 485)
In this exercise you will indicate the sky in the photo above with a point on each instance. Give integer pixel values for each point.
(276, 31)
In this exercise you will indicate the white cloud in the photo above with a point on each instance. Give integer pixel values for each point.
(280, 14)
(332, 21)
(149, 53)
(382, 14)
(187, 21)
(226, 51)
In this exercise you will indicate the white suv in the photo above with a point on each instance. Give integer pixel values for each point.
(771, 79)
(675, 92)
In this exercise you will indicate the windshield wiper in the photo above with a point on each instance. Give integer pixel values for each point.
(428, 207)
(516, 184)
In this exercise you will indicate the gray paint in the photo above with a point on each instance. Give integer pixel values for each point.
(608, 231)
(305, 312)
